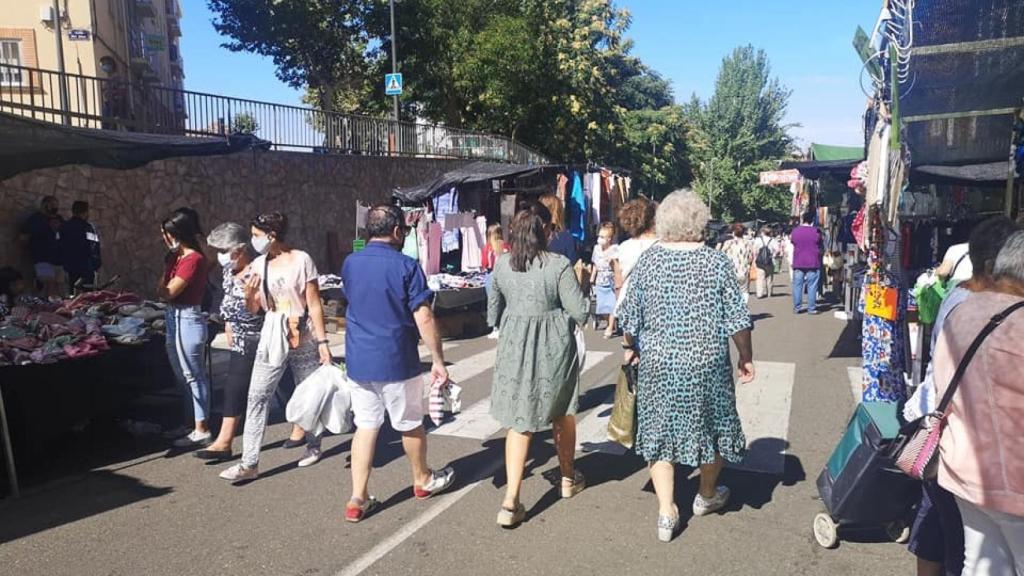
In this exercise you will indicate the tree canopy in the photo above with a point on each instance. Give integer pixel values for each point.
(738, 133)
(556, 75)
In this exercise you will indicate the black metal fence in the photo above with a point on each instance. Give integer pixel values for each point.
(115, 104)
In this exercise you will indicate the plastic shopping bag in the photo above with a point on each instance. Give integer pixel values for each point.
(323, 401)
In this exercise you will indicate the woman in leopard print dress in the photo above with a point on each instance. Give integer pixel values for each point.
(683, 305)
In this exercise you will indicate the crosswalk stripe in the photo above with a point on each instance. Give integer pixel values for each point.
(476, 421)
(764, 408)
(856, 376)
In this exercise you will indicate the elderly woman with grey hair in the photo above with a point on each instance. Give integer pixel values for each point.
(980, 458)
(231, 241)
(683, 305)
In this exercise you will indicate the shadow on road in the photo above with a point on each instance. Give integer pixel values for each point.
(67, 502)
(849, 343)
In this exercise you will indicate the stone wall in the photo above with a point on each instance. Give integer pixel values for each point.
(317, 193)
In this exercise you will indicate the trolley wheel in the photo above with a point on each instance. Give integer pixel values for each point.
(898, 531)
(826, 531)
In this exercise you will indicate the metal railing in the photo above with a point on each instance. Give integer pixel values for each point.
(116, 104)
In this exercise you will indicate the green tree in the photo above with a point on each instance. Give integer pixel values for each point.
(244, 123)
(738, 133)
(322, 45)
(654, 150)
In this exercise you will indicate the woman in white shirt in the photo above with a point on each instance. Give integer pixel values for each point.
(636, 218)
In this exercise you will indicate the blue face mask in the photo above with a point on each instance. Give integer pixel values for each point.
(261, 244)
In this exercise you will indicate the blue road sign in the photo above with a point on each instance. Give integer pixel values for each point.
(393, 84)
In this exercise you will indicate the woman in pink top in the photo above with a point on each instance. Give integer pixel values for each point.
(981, 456)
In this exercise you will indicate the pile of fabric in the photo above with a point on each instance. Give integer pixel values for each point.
(39, 332)
(438, 282)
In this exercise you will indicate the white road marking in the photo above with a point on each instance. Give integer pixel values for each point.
(391, 542)
(856, 376)
(476, 421)
(764, 408)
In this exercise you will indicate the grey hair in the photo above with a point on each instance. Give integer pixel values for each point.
(1010, 262)
(682, 217)
(228, 237)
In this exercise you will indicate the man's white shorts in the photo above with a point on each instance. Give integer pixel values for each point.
(403, 401)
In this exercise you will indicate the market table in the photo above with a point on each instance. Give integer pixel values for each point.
(39, 400)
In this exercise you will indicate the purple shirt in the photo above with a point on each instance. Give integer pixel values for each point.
(806, 248)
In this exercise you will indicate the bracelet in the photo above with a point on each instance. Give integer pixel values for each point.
(321, 342)
(625, 347)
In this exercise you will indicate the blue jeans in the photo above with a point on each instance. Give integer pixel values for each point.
(805, 279)
(186, 351)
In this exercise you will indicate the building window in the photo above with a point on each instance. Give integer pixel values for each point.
(10, 55)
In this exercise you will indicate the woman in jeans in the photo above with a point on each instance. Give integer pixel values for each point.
(183, 286)
(980, 456)
(242, 328)
(284, 285)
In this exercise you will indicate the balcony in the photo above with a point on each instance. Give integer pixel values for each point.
(145, 8)
(173, 27)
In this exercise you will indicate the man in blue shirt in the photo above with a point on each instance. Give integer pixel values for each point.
(388, 311)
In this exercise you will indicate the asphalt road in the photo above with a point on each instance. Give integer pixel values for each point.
(157, 512)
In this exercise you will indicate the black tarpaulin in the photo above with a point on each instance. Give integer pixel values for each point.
(815, 169)
(27, 144)
(468, 174)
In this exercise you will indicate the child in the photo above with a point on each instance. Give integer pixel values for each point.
(12, 285)
(494, 247)
(606, 260)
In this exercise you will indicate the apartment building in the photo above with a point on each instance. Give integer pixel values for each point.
(140, 37)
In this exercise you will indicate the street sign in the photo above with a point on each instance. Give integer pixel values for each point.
(393, 84)
(78, 35)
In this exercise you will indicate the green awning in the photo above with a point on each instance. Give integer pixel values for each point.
(826, 153)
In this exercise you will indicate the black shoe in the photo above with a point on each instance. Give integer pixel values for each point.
(214, 455)
(289, 443)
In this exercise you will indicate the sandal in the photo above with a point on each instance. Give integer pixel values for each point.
(358, 509)
(511, 518)
(575, 485)
(668, 526)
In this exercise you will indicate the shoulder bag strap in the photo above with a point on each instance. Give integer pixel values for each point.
(957, 265)
(266, 283)
(994, 323)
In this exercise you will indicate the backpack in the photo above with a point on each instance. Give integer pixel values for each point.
(765, 260)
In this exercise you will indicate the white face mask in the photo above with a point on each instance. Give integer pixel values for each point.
(602, 241)
(174, 246)
(225, 259)
(261, 243)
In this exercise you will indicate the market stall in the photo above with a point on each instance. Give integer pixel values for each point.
(948, 84)
(64, 362)
(451, 214)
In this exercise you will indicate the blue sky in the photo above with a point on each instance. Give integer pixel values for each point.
(808, 43)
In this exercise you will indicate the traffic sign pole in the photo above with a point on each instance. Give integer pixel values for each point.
(394, 51)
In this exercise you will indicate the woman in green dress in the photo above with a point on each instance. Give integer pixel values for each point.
(682, 306)
(536, 302)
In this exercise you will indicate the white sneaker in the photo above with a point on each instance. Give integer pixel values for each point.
(703, 506)
(312, 456)
(194, 440)
(493, 335)
(239, 473)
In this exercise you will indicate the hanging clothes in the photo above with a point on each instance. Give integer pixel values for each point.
(561, 182)
(883, 347)
(597, 196)
(473, 240)
(577, 209)
(422, 240)
(445, 204)
(434, 235)
(508, 210)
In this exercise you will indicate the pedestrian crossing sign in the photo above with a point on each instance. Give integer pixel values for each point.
(393, 84)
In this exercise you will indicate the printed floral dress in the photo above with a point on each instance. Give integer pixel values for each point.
(682, 308)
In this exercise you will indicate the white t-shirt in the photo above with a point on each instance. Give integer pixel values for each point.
(959, 253)
(630, 252)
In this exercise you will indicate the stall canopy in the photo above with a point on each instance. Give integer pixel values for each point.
(829, 153)
(966, 77)
(475, 172)
(29, 144)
